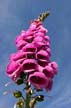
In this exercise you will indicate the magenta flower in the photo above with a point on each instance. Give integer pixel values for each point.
(41, 34)
(19, 57)
(42, 29)
(42, 55)
(48, 71)
(20, 44)
(38, 79)
(39, 39)
(30, 65)
(14, 70)
(33, 57)
(18, 38)
(30, 47)
(29, 36)
(54, 65)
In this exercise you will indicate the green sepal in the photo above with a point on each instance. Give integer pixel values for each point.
(19, 81)
(17, 94)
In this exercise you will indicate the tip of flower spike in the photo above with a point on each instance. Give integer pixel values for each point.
(43, 16)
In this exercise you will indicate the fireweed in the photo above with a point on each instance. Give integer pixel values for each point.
(31, 64)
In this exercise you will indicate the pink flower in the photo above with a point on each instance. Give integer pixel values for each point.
(30, 65)
(54, 66)
(18, 38)
(42, 55)
(47, 38)
(38, 79)
(42, 29)
(18, 57)
(48, 71)
(43, 63)
(30, 47)
(23, 33)
(29, 36)
(33, 57)
(20, 44)
(39, 34)
(14, 70)
(39, 39)
(39, 44)
(37, 23)
(33, 27)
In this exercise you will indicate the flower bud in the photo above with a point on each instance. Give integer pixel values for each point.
(19, 81)
(17, 94)
(40, 98)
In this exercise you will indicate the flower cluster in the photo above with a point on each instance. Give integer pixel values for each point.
(33, 57)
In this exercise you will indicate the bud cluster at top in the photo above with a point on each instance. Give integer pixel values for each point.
(33, 57)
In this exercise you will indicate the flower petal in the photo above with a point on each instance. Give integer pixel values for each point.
(48, 71)
(30, 65)
(13, 70)
(38, 79)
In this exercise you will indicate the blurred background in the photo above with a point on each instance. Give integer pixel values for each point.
(15, 15)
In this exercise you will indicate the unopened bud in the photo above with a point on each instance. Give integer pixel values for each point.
(19, 81)
(17, 94)
(40, 98)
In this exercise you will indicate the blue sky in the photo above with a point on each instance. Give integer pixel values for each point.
(14, 17)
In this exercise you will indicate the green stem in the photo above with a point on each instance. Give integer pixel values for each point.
(27, 101)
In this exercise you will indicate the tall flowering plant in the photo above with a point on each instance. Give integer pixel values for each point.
(31, 64)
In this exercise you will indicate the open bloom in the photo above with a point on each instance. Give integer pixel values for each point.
(20, 44)
(30, 47)
(30, 65)
(38, 79)
(14, 70)
(19, 57)
(42, 55)
(48, 71)
(54, 65)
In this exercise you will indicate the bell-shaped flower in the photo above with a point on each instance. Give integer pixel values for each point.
(42, 55)
(48, 71)
(43, 63)
(39, 44)
(39, 38)
(39, 34)
(30, 65)
(18, 38)
(54, 65)
(29, 36)
(13, 70)
(38, 80)
(20, 44)
(20, 56)
(30, 47)
(47, 39)
(47, 49)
